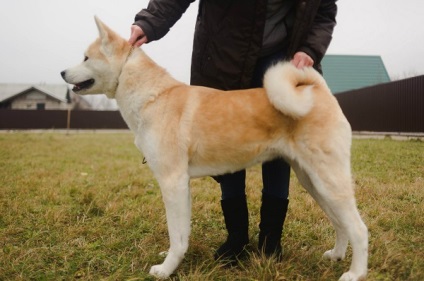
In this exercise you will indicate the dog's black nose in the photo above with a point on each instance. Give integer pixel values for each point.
(63, 73)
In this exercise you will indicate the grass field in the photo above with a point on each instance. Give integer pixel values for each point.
(83, 206)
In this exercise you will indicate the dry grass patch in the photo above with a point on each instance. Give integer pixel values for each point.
(82, 206)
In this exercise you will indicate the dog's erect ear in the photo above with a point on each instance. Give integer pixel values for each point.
(107, 35)
(104, 30)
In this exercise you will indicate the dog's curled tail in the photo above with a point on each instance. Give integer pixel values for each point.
(289, 89)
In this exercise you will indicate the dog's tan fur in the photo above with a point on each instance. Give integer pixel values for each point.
(186, 131)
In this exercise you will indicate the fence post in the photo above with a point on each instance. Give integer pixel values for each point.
(68, 122)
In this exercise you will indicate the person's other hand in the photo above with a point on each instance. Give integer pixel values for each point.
(137, 37)
(301, 60)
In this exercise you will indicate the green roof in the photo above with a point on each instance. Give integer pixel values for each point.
(349, 72)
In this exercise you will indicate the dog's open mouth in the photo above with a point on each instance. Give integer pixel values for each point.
(83, 85)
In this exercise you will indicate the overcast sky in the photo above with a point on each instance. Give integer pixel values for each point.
(39, 38)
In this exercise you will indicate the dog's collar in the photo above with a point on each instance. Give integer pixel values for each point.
(125, 62)
(129, 54)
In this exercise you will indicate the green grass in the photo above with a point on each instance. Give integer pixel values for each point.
(83, 206)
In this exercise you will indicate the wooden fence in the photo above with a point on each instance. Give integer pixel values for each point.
(396, 107)
(391, 107)
(60, 119)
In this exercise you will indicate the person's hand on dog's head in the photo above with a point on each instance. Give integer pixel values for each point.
(137, 37)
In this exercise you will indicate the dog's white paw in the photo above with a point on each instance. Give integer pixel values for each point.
(350, 276)
(159, 271)
(331, 255)
(346, 277)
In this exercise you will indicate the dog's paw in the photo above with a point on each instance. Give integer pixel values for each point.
(350, 276)
(159, 271)
(347, 276)
(331, 255)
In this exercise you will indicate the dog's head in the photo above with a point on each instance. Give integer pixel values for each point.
(102, 65)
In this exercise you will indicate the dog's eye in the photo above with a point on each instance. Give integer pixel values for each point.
(85, 58)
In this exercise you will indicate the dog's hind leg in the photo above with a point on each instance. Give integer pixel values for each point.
(334, 193)
(176, 196)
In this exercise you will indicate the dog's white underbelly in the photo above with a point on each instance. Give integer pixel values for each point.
(202, 170)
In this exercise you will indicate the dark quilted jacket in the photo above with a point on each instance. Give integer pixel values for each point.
(228, 35)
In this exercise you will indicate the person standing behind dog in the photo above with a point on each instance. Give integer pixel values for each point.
(235, 41)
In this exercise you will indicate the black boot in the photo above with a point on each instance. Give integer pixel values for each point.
(237, 224)
(273, 214)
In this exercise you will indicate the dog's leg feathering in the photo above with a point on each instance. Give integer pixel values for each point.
(336, 199)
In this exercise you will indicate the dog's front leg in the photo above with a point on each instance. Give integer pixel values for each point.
(176, 196)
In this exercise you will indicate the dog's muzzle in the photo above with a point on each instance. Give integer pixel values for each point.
(79, 86)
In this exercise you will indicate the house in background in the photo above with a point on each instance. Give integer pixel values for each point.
(40, 97)
(349, 72)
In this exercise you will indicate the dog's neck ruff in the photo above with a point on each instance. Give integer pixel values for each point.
(123, 65)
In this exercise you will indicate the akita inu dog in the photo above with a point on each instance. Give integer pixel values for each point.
(186, 131)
